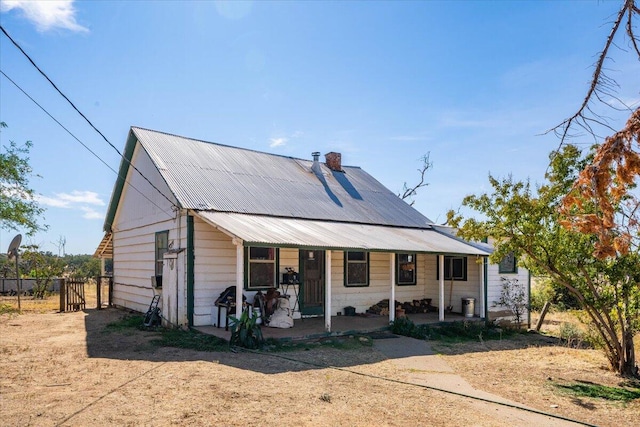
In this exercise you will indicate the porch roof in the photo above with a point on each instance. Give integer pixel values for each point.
(105, 248)
(302, 233)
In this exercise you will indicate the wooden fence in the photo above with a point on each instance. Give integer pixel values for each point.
(72, 295)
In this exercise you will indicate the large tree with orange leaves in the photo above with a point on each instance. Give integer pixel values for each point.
(603, 201)
(528, 222)
(607, 184)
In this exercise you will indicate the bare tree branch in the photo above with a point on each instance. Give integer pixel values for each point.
(407, 191)
(601, 84)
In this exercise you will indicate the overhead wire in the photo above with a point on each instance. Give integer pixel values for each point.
(85, 117)
(82, 143)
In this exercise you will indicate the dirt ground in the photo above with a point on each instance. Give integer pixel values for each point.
(68, 369)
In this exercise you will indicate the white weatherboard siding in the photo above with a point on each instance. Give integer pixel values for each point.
(359, 297)
(469, 288)
(494, 289)
(134, 227)
(379, 284)
(214, 270)
(419, 291)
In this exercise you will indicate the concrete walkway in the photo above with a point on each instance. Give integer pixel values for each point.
(426, 368)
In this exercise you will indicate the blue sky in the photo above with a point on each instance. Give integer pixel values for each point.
(474, 84)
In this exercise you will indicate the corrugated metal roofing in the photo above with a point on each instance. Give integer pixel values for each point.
(452, 232)
(209, 176)
(292, 232)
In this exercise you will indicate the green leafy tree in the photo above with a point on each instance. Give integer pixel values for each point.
(529, 224)
(18, 206)
(82, 266)
(43, 267)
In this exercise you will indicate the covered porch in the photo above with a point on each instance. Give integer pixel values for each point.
(314, 327)
(327, 245)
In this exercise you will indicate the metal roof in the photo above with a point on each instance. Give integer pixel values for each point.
(105, 248)
(452, 232)
(208, 176)
(293, 232)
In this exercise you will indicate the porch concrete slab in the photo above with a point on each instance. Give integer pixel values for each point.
(431, 370)
(314, 327)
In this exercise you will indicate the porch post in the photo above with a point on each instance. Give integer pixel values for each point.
(327, 291)
(239, 275)
(392, 279)
(481, 301)
(441, 288)
(102, 272)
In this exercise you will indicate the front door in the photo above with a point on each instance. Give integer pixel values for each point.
(312, 284)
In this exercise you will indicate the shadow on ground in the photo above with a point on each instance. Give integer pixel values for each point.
(134, 344)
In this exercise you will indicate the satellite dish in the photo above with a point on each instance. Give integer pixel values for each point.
(14, 245)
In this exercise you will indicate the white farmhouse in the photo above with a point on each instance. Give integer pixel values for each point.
(188, 219)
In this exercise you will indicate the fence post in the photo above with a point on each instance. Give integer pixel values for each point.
(542, 314)
(99, 292)
(111, 291)
(63, 288)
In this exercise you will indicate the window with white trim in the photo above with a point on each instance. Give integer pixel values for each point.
(508, 264)
(261, 267)
(356, 266)
(405, 269)
(162, 246)
(455, 268)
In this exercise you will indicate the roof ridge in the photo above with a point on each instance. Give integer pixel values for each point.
(230, 146)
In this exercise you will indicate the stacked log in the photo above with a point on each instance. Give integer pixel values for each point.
(409, 307)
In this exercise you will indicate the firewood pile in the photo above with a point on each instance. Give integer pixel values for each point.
(409, 307)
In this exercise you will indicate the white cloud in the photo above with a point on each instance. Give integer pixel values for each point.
(76, 200)
(90, 213)
(88, 197)
(277, 142)
(52, 202)
(46, 15)
(65, 200)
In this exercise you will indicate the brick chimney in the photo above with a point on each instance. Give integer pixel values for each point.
(334, 161)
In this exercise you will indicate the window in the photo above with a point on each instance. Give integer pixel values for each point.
(162, 246)
(356, 268)
(405, 269)
(455, 268)
(261, 267)
(508, 264)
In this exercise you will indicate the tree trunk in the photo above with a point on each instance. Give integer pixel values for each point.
(627, 365)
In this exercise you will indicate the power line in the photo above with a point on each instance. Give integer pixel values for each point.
(83, 144)
(83, 116)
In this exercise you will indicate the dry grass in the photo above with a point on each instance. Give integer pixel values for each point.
(70, 369)
(64, 369)
(529, 369)
(50, 304)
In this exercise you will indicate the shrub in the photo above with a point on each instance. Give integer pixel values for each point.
(514, 297)
(453, 331)
(541, 291)
(245, 332)
(571, 334)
